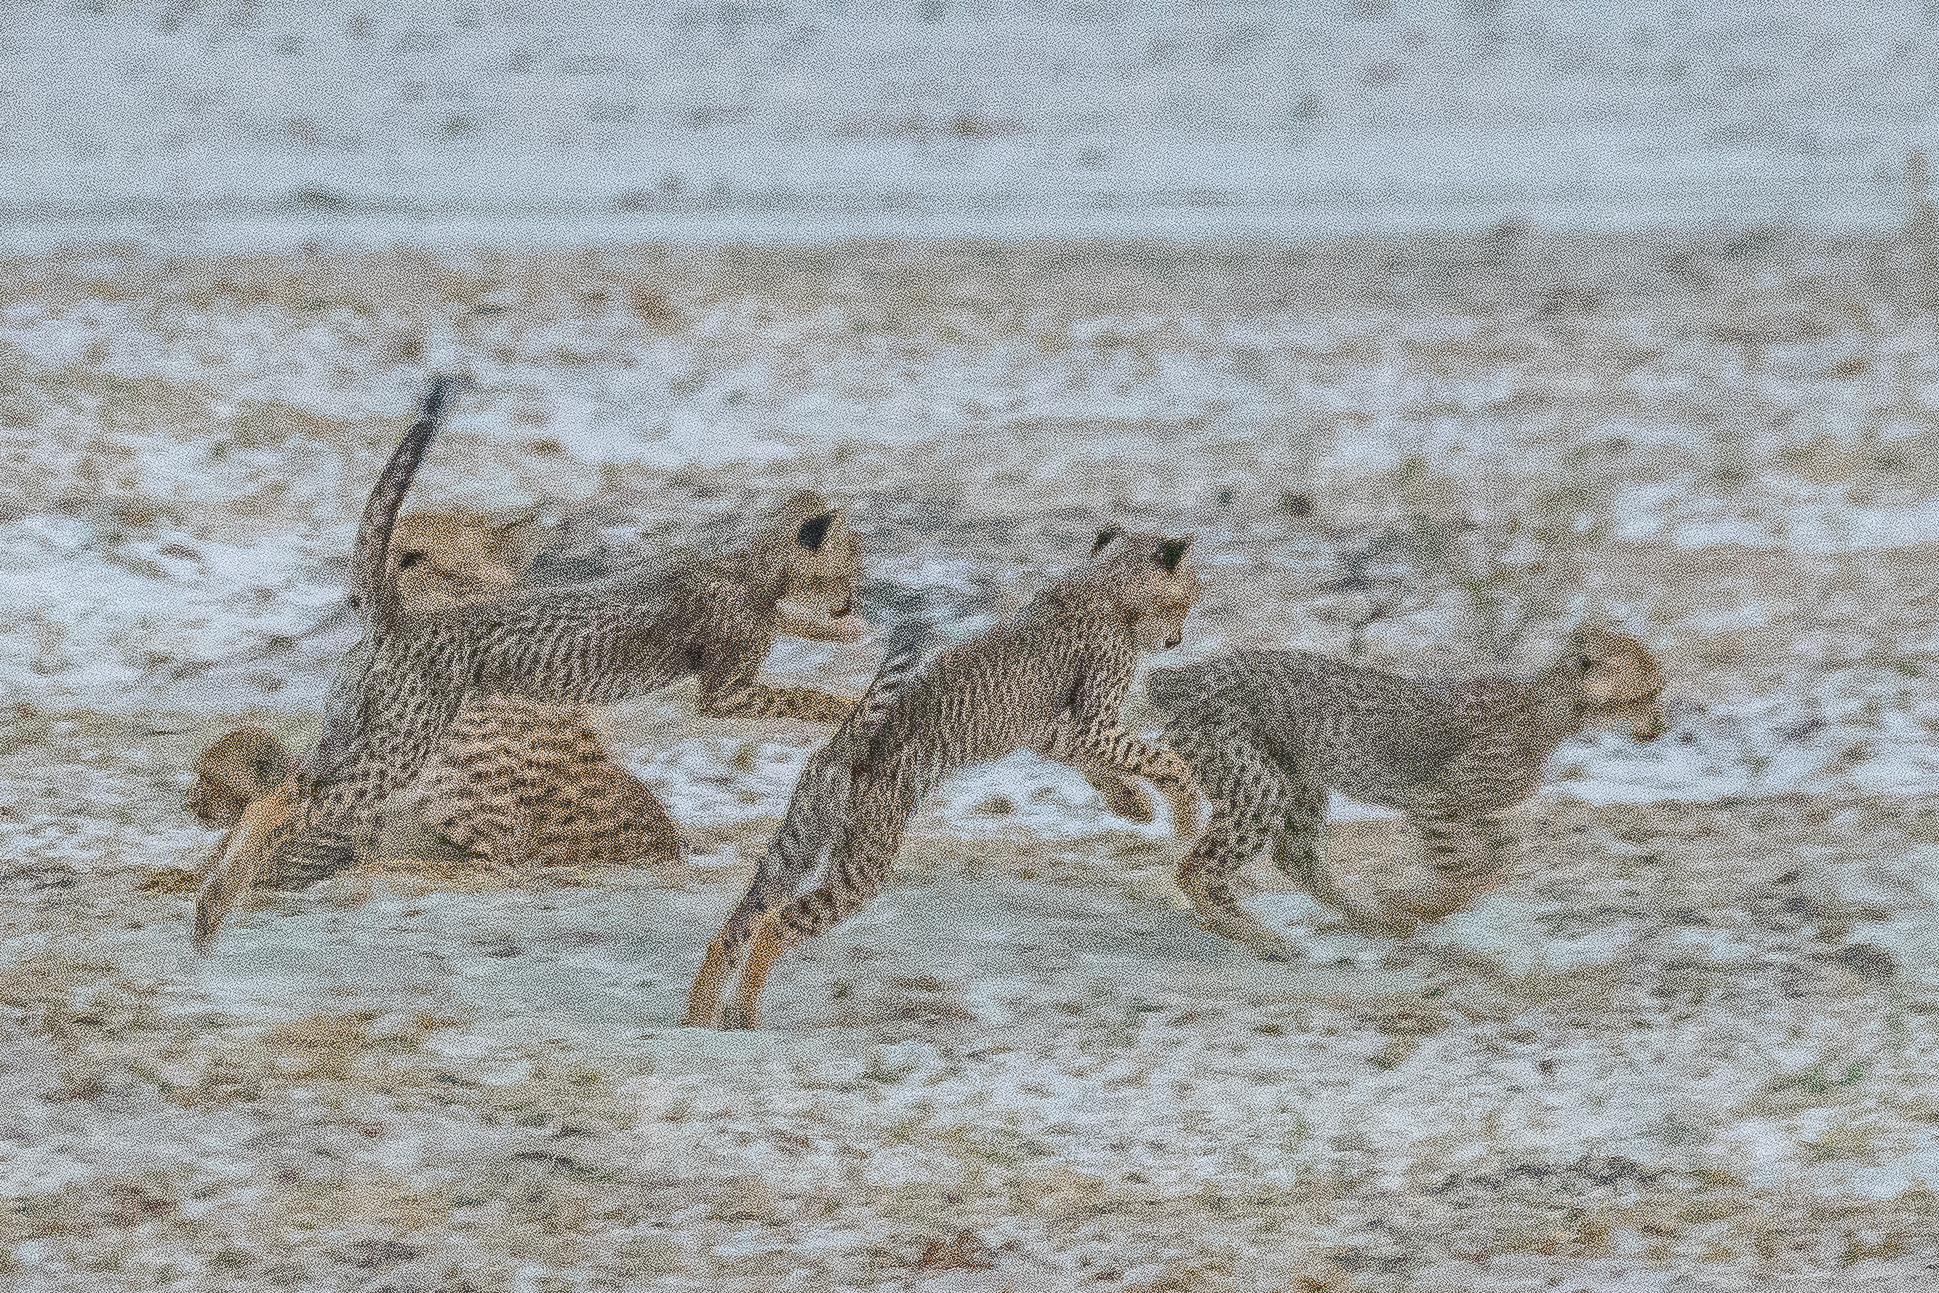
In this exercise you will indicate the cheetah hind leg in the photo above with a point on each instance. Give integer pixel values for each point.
(1123, 797)
(749, 921)
(265, 828)
(770, 944)
(1297, 852)
(1206, 877)
(803, 917)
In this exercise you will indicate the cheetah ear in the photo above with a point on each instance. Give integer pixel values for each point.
(1170, 553)
(1104, 537)
(814, 531)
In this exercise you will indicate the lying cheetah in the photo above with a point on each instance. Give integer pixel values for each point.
(516, 779)
(1268, 733)
(399, 691)
(1051, 681)
(516, 786)
(443, 558)
(234, 772)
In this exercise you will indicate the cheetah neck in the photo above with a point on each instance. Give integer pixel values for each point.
(1556, 706)
(764, 582)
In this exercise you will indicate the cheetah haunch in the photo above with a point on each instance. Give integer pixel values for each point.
(1050, 681)
(1268, 733)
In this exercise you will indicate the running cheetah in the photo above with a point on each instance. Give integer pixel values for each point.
(399, 691)
(1268, 733)
(1052, 681)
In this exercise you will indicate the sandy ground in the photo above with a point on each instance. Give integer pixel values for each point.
(1686, 1045)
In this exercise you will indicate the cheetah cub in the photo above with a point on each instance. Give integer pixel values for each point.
(443, 558)
(516, 787)
(1268, 733)
(233, 773)
(398, 694)
(1051, 681)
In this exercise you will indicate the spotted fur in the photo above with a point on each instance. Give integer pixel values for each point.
(1269, 733)
(1051, 681)
(518, 784)
(812, 832)
(397, 694)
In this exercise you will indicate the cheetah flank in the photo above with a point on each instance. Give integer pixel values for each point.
(1052, 681)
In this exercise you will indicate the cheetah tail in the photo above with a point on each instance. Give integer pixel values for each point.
(371, 593)
(241, 857)
(909, 645)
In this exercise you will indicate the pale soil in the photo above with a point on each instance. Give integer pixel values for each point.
(1686, 1045)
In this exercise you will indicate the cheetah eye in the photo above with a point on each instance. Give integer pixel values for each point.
(1586, 663)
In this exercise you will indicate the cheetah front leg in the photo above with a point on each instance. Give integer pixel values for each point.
(1122, 797)
(1466, 856)
(1107, 754)
(758, 700)
(1245, 792)
(1297, 852)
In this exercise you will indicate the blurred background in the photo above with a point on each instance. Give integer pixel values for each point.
(236, 121)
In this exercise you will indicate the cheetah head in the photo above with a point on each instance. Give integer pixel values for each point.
(443, 558)
(820, 558)
(1151, 581)
(238, 769)
(1619, 680)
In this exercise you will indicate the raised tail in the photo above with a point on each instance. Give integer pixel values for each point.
(371, 592)
(908, 647)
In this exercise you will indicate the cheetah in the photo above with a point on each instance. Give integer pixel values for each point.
(1268, 733)
(520, 782)
(397, 694)
(442, 558)
(480, 793)
(1051, 681)
(233, 773)
(517, 787)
